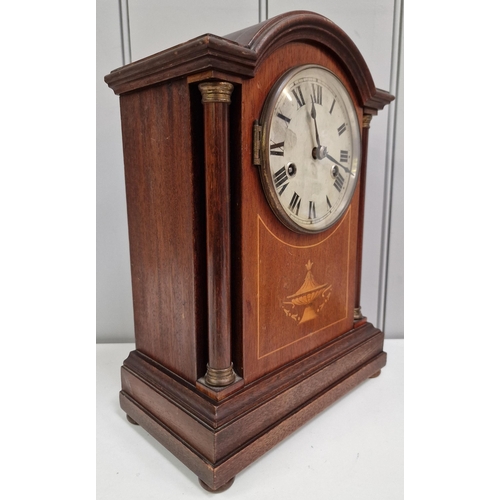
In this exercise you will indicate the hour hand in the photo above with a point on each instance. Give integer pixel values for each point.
(339, 164)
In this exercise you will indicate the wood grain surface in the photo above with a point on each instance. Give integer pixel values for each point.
(165, 197)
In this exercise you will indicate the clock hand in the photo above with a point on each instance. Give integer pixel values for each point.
(321, 152)
(318, 152)
(338, 164)
(313, 116)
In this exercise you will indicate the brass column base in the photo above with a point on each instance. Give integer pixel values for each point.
(220, 377)
(357, 313)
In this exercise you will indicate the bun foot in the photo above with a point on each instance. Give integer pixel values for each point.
(222, 488)
(131, 420)
(376, 374)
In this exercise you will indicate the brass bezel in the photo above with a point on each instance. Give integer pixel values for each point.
(265, 168)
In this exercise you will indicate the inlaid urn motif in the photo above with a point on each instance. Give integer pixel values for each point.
(306, 297)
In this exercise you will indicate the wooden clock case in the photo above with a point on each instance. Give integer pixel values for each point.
(225, 365)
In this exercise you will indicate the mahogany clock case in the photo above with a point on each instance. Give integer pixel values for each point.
(215, 275)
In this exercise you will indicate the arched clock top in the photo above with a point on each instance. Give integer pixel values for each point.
(309, 27)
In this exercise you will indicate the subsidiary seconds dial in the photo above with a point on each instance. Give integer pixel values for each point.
(310, 149)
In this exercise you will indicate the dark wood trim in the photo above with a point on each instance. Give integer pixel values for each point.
(217, 473)
(378, 100)
(204, 53)
(217, 414)
(217, 441)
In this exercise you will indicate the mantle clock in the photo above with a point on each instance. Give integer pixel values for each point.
(245, 166)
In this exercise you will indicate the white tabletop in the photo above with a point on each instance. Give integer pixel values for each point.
(353, 450)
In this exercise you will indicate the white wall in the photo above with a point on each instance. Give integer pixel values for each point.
(114, 292)
(128, 30)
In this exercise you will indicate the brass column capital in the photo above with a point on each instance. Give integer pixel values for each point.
(216, 91)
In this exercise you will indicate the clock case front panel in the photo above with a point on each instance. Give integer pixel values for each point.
(274, 261)
(289, 364)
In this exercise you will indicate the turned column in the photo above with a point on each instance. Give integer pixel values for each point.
(216, 97)
(361, 217)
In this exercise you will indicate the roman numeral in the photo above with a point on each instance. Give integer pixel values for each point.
(344, 155)
(339, 182)
(333, 104)
(312, 210)
(283, 117)
(277, 146)
(280, 178)
(295, 203)
(298, 95)
(328, 203)
(342, 129)
(317, 93)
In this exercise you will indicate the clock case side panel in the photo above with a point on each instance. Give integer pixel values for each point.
(163, 157)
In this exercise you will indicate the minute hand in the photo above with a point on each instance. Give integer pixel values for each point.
(337, 163)
(313, 116)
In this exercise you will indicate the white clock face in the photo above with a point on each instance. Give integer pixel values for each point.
(310, 149)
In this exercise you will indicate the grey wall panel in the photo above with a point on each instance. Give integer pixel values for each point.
(156, 25)
(394, 304)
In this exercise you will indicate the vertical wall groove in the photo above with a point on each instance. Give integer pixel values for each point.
(263, 10)
(125, 32)
(389, 165)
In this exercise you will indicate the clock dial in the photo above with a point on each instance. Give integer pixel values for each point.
(310, 149)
